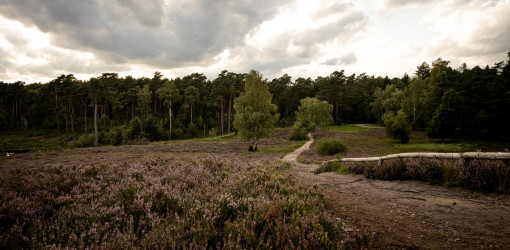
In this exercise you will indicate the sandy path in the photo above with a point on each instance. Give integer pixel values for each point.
(411, 214)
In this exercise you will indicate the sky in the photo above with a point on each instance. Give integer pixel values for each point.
(43, 39)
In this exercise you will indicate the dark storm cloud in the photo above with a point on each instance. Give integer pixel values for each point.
(344, 60)
(154, 32)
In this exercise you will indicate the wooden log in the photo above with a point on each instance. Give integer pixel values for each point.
(432, 155)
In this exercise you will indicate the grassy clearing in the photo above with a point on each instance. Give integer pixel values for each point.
(16, 143)
(220, 139)
(283, 150)
(351, 128)
(373, 142)
(435, 147)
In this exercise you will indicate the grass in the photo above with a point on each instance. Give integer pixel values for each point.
(343, 170)
(221, 139)
(434, 146)
(285, 149)
(351, 128)
(19, 143)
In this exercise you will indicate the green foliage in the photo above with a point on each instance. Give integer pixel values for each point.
(352, 128)
(436, 99)
(397, 127)
(114, 136)
(314, 114)
(255, 114)
(151, 129)
(445, 121)
(330, 146)
(144, 101)
(298, 133)
(192, 131)
(89, 142)
(134, 130)
(178, 133)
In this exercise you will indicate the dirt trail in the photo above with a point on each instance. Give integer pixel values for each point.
(411, 214)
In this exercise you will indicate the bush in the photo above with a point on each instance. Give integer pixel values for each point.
(177, 133)
(88, 143)
(114, 136)
(485, 175)
(298, 134)
(192, 131)
(391, 170)
(151, 129)
(134, 129)
(330, 146)
(397, 127)
(482, 175)
(103, 204)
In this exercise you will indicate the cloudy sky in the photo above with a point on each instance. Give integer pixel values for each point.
(42, 39)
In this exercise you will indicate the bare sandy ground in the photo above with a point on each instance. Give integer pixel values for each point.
(411, 214)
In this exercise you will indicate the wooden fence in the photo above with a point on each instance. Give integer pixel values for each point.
(465, 155)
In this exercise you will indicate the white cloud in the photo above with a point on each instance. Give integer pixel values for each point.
(40, 40)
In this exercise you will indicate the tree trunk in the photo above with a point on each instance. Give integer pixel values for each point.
(58, 122)
(336, 115)
(132, 110)
(191, 113)
(155, 107)
(72, 119)
(229, 113)
(66, 117)
(170, 114)
(96, 142)
(222, 116)
(20, 115)
(13, 113)
(85, 119)
(57, 113)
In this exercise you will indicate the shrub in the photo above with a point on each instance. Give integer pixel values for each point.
(88, 143)
(330, 146)
(298, 134)
(151, 129)
(485, 175)
(134, 129)
(397, 127)
(357, 168)
(192, 131)
(190, 201)
(114, 136)
(391, 170)
(177, 133)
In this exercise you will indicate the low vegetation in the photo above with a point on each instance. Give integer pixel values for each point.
(178, 201)
(351, 128)
(298, 134)
(330, 146)
(476, 174)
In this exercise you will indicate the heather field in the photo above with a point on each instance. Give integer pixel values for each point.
(180, 195)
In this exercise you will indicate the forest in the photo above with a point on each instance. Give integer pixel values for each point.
(445, 102)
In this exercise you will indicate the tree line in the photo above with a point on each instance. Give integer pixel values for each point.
(445, 102)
